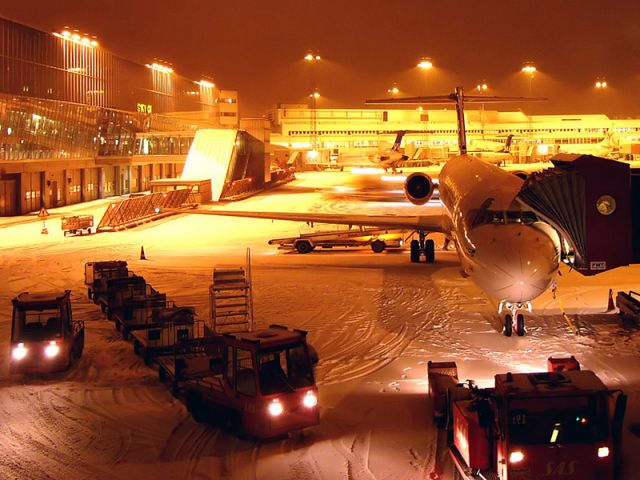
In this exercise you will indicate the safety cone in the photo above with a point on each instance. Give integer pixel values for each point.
(142, 255)
(611, 305)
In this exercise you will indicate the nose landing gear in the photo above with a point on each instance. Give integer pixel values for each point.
(514, 317)
(423, 247)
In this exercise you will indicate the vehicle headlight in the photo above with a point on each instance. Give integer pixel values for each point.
(310, 400)
(19, 352)
(516, 456)
(603, 452)
(52, 350)
(275, 408)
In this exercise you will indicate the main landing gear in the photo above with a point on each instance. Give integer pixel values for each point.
(514, 317)
(423, 247)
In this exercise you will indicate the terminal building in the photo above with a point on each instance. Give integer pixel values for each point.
(78, 122)
(433, 133)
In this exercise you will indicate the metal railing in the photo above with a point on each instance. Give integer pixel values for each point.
(136, 210)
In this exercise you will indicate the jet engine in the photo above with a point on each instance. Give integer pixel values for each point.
(418, 188)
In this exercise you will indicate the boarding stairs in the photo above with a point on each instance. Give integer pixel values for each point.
(230, 297)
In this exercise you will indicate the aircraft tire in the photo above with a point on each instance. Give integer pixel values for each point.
(378, 246)
(508, 325)
(520, 331)
(430, 251)
(303, 246)
(415, 251)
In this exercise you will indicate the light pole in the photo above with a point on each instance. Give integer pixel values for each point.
(529, 68)
(482, 87)
(312, 58)
(425, 64)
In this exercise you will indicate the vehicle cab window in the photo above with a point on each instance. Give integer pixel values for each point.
(284, 369)
(36, 325)
(245, 372)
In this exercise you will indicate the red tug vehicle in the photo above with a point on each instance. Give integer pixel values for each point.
(559, 424)
(44, 336)
(259, 383)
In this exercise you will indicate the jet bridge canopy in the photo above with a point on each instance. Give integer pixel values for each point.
(589, 200)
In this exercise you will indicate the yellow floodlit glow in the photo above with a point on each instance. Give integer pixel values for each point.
(206, 84)
(393, 90)
(482, 87)
(76, 38)
(529, 68)
(312, 57)
(159, 68)
(425, 63)
(600, 83)
(367, 171)
(543, 149)
(315, 94)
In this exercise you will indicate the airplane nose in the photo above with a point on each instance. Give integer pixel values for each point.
(514, 262)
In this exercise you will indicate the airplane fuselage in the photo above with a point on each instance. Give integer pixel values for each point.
(503, 248)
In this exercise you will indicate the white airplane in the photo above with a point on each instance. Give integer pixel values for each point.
(607, 148)
(502, 246)
(494, 152)
(384, 157)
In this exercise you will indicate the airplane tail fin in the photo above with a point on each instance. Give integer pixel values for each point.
(507, 145)
(398, 141)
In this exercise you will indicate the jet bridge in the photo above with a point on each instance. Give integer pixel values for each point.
(594, 203)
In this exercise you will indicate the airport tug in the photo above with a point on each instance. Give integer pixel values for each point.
(559, 424)
(44, 336)
(259, 383)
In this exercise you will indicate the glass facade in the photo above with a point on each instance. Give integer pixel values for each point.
(43, 65)
(90, 124)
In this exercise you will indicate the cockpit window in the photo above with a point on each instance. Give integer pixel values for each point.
(484, 217)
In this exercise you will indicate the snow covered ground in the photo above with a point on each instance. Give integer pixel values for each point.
(375, 319)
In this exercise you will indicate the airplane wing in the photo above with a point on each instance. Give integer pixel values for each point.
(429, 223)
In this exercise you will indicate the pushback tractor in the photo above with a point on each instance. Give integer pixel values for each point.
(44, 336)
(560, 424)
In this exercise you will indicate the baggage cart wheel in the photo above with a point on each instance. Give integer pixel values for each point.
(378, 246)
(303, 246)
(89, 230)
(175, 388)
(195, 406)
(415, 251)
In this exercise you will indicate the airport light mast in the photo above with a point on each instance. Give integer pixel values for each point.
(529, 68)
(312, 59)
(425, 64)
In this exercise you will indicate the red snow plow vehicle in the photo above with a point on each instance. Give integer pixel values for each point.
(44, 336)
(559, 424)
(259, 383)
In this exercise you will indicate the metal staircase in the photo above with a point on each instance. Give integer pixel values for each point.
(230, 298)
